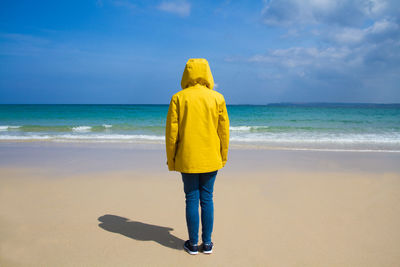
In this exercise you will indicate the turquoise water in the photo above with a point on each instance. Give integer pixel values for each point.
(302, 126)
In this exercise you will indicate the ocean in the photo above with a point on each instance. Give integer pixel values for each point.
(355, 127)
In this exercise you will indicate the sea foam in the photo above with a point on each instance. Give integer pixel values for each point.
(82, 129)
(6, 127)
(86, 137)
(246, 128)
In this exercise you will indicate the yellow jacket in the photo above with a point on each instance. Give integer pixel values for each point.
(197, 129)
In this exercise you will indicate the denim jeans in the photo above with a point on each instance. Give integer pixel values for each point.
(199, 186)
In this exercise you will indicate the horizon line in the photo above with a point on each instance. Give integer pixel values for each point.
(270, 103)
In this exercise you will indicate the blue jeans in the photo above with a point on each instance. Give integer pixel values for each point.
(199, 186)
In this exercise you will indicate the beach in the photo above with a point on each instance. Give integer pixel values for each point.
(297, 101)
(116, 204)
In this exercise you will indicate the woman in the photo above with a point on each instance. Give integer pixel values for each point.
(197, 139)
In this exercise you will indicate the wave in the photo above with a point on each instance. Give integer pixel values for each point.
(82, 129)
(99, 128)
(24, 137)
(129, 128)
(393, 138)
(348, 140)
(247, 128)
(358, 142)
(6, 127)
(86, 137)
(387, 142)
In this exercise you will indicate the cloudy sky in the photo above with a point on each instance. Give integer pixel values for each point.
(134, 52)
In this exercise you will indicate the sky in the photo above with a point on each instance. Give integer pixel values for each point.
(260, 52)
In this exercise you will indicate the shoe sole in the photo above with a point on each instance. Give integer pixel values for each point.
(207, 252)
(190, 252)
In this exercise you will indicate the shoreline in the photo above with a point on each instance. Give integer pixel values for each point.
(87, 157)
(150, 145)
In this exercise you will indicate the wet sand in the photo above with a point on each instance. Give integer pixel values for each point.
(117, 205)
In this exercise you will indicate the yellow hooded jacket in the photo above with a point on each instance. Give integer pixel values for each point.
(197, 129)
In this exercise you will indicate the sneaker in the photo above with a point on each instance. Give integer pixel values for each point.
(191, 249)
(207, 248)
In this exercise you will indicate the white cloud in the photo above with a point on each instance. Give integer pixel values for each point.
(338, 12)
(300, 57)
(349, 35)
(346, 37)
(368, 71)
(181, 8)
(352, 48)
(383, 26)
(376, 6)
(379, 31)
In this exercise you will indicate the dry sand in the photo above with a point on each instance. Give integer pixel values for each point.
(111, 205)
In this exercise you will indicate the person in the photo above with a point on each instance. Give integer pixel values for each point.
(197, 140)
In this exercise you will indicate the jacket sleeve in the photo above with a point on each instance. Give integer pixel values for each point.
(223, 131)
(171, 133)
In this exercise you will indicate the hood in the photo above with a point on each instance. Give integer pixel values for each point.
(197, 71)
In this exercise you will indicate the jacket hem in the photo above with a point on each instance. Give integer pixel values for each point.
(199, 170)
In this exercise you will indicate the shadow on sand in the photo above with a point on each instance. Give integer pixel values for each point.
(140, 231)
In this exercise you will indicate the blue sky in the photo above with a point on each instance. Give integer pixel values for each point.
(134, 52)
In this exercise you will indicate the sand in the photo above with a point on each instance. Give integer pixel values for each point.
(117, 205)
